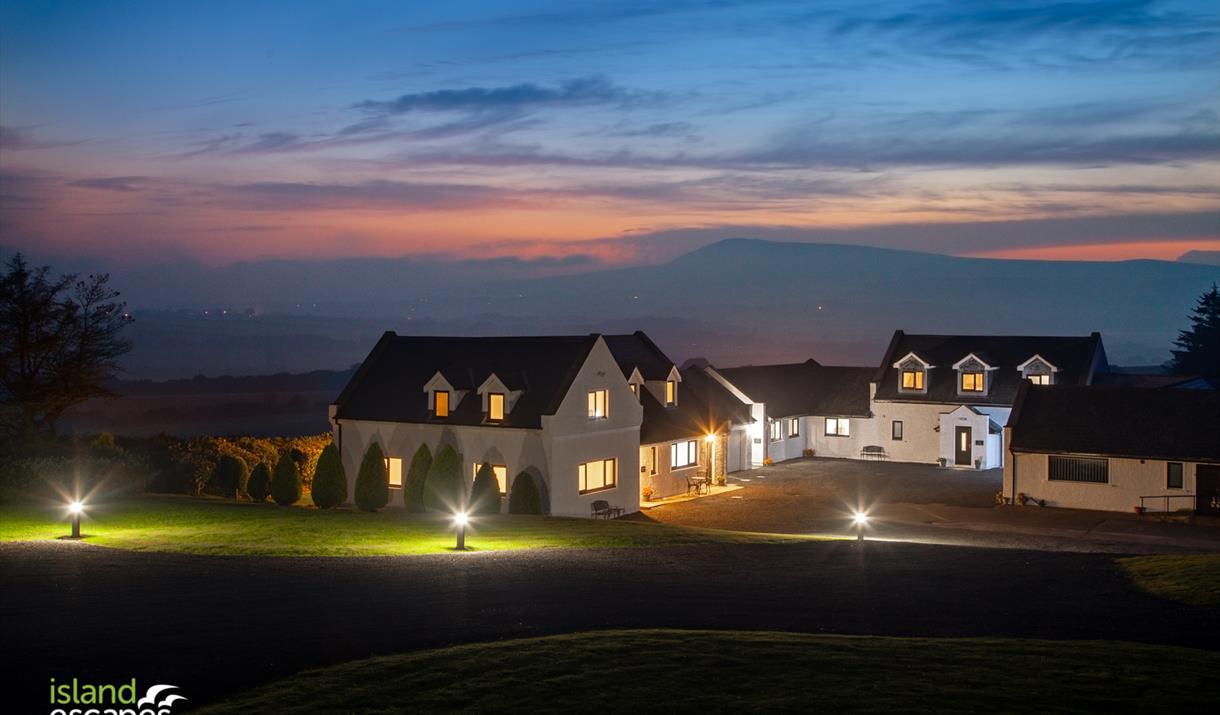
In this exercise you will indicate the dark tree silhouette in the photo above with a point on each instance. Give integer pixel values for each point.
(59, 343)
(1198, 350)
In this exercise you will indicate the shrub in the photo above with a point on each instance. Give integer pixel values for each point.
(443, 488)
(105, 446)
(485, 494)
(229, 477)
(524, 497)
(329, 480)
(259, 484)
(285, 481)
(417, 474)
(372, 483)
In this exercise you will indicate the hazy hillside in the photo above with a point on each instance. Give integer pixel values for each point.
(735, 301)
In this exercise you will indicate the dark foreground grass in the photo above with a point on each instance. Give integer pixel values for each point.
(1191, 578)
(215, 526)
(734, 671)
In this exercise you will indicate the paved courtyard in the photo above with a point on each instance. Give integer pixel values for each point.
(922, 503)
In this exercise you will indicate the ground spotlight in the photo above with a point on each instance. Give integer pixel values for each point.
(75, 508)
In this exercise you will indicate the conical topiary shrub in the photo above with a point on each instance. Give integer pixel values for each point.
(329, 479)
(443, 488)
(259, 484)
(373, 482)
(485, 494)
(285, 481)
(229, 477)
(417, 474)
(524, 497)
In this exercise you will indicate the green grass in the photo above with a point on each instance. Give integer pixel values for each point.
(1192, 578)
(734, 671)
(214, 526)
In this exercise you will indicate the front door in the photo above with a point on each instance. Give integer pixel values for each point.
(961, 446)
(1207, 489)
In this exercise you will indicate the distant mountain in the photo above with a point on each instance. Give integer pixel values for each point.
(736, 301)
(1207, 258)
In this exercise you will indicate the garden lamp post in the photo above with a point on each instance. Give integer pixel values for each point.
(460, 520)
(75, 508)
(860, 520)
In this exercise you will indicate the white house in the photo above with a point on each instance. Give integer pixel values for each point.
(693, 429)
(555, 408)
(1115, 448)
(944, 398)
(804, 406)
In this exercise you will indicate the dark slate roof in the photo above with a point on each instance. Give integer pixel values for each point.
(638, 351)
(1117, 422)
(723, 404)
(389, 385)
(806, 388)
(1128, 379)
(1074, 356)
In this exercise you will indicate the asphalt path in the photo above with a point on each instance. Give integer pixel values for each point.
(216, 625)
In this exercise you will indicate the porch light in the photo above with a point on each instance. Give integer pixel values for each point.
(460, 520)
(75, 508)
(710, 438)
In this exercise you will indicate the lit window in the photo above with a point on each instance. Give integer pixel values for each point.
(671, 393)
(393, 468)
(972, 381)
(440, 403)
(597, 475)
(794, 427)
(896, 430)
(912, 379)
(635, 389)
(1173, 475)
(597, 404)
(838, 427)
(683, 454)
(775, 431)
(501, 473)
(495, 406)
(1039, 379)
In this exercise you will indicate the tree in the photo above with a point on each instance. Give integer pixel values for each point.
(59, 342)
(485, 493)
(524, 497)
(329, 479)
(373, 480)
(259, 484)
(443, 488)
(230, 477)
(417, 474)
(286, 481)
(1198, 350)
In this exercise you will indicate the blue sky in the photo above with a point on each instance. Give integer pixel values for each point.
(217, 131)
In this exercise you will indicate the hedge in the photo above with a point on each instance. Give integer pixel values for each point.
(229, 478)
(485, 494)
(372, 482)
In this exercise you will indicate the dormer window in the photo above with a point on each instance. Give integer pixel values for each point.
(973, 381)
(1039, 379)
(671, 393)
(1038, 371)
(598, 404)
(440, 403)
(912, 380)
(972, 375)
(495, 406)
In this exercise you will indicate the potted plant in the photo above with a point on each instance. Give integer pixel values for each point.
(808, 452)
(942, 461)
(978, 463)
(767, 461)
(1021, 498)
(647, 493)
(1138, 510)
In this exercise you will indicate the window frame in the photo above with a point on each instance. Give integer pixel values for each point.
(1039, 378)
(842, 427)
(496, 469)
(595, 413)
(1070, 469)
(794, 427)
(582, 471)
(436, 403)
(896, 430)
(389, 472)
(775, 432)
(491, 412)
(671, 393)
(1181, 475)
(691, 447)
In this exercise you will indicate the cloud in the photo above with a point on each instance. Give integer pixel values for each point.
(112, 183)
(370, 195)
(23, 139)
(576, 92)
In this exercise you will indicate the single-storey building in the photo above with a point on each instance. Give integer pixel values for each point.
(555, 408)
(1115, 448)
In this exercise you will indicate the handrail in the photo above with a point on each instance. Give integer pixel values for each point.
(1166, 498)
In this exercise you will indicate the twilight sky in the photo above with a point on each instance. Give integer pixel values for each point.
(148, 132)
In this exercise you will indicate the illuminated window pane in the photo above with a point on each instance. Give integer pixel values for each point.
(912, 379)
(838, 427)
(671, 393)
(597, 404)
(596, 475)
(393, 466)
(440, 400)
(683, 454)
(794, 428)
(1039, 379)
(972, 382)
(501, 473)
(495, 406)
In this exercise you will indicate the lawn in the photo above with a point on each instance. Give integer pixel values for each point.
(727, 671)
(1192, 578)
(215, 526)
